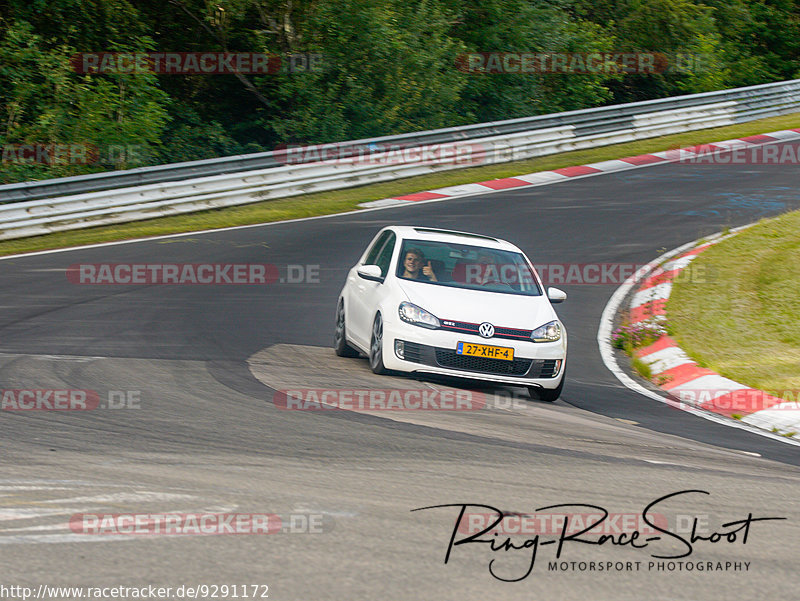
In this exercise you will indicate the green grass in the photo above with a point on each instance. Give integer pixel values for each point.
(324, 203)
(738, 309)
(642, 368)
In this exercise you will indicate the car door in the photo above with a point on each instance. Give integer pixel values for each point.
(365, 293)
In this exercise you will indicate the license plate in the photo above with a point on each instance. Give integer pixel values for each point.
(484, 350)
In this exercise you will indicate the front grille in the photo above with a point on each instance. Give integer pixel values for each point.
(472, 328)
(512, 333)
(452, 360)
(460, 326)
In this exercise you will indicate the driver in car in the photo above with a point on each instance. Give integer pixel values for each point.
(416, 268)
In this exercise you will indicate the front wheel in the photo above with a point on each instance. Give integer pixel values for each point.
(340, 346)
(376, 347)
(548, 395)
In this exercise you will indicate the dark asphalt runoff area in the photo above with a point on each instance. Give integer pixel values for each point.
(195, 429)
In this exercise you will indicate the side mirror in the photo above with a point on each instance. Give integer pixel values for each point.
(370, 272)
(556, 296)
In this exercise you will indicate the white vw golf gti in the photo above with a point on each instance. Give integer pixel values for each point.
(452, 303)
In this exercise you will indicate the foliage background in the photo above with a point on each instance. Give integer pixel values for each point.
(390, 68)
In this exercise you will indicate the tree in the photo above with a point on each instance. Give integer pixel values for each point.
(115, 119)
(388, 68)
(524, 26)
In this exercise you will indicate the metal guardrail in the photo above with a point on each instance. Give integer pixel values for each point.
(35, 208)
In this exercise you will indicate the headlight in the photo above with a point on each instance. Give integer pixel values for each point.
(411, 313)
(549, 332)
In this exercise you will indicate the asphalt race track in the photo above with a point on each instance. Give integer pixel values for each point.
(199, 431)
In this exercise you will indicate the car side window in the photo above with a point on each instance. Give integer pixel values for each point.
(372, 255)
(385, 256)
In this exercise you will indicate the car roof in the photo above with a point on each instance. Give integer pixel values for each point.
(441, 235)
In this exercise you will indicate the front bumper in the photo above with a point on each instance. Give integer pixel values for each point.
(434, 351)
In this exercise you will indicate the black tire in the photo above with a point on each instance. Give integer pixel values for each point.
(548, 395)
(340, 345)
(376, 347)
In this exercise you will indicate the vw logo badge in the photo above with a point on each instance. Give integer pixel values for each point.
(486, 329)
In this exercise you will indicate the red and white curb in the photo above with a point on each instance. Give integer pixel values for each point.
(543, 178)
(689, 385)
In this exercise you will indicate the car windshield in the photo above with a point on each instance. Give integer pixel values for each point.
(464, 266)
